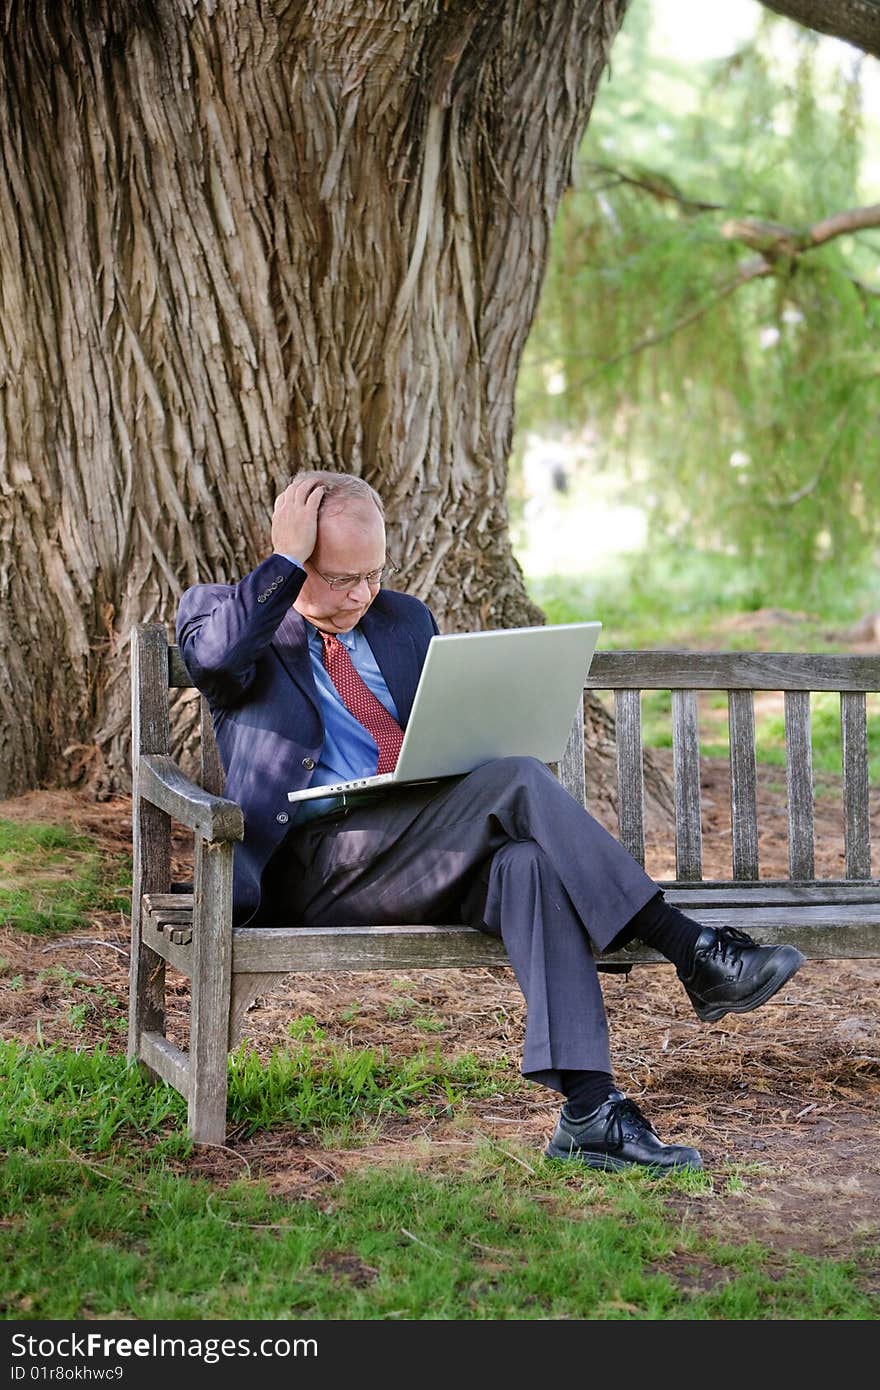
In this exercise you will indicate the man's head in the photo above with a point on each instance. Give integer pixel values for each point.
(350, 542)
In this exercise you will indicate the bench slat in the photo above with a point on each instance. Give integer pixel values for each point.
(672, 670)
(836, 929)
(773, 892)
(828, 931)
(170, 917)
(824, 932)
(799, 781)
(166, 1060)
(686, 773)
(363, 948)
(571, 771)
(213, 778)
(177, 907)
(856, 823)
(668, 670)
(630, 774)
(743, 784)
(823, 920)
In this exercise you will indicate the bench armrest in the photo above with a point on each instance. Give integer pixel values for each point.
(213, 817)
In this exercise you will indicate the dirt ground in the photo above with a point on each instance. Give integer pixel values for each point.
(787, 1096)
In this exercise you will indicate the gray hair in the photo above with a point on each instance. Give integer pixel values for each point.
(341, 488)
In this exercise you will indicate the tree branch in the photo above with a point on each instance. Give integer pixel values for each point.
(774, 240)
(839, 223)
(855, 21)
(660, 186)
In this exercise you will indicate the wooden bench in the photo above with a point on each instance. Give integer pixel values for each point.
(229, 967)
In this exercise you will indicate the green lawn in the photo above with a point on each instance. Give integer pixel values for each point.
(101, 1219)
(52, 878)
(693, 598)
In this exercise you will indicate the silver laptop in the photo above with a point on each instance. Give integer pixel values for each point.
(486, 695)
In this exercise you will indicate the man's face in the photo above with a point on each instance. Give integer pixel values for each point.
(351, 540)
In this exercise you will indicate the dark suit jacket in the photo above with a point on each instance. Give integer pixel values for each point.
(247, 650)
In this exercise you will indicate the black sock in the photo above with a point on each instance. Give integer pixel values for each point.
(585, 1090)
(665, 928)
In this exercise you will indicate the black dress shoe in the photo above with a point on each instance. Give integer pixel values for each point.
(617, 1135)
(732, 974)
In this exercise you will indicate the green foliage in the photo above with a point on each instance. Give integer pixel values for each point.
(745, 407)
(98, 1223)
(52, 879)
(826, 736)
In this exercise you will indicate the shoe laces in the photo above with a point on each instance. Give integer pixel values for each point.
(620, 1112)
(728, 943)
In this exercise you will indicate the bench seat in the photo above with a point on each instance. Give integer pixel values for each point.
(804, 914)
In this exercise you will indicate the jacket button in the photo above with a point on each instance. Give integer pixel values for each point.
(282, 818)
(309, 764)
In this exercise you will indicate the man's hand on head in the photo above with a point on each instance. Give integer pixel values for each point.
(295, 519)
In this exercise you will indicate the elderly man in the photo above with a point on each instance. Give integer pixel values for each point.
(310, 667)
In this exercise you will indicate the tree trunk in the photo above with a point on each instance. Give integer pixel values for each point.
(241, 238)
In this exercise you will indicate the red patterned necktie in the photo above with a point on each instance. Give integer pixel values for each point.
(360, 701)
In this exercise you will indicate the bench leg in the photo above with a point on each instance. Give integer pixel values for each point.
(146, 999)
(146, 981)
(211, 985)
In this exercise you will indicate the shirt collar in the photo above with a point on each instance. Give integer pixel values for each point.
(348, 639)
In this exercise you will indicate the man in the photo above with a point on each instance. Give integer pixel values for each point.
(310, 667)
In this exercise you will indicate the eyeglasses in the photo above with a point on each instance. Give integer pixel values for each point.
(351, 581)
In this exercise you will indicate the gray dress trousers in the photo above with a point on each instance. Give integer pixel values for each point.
(505, 849)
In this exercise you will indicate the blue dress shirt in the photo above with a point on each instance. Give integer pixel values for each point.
(349, 750)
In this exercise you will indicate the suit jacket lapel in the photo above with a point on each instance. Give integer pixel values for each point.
(291, 642)
(395, 651)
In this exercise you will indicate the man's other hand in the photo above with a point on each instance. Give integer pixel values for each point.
(295, 519)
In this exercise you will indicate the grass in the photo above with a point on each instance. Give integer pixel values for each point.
(101, 1220)
(684, 597)
(52, 879)
(318, 1084)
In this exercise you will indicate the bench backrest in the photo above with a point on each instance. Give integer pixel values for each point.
(211, 775)
(741, 674)
(684, 674)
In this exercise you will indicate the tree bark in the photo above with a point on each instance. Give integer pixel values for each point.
(241, 238)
